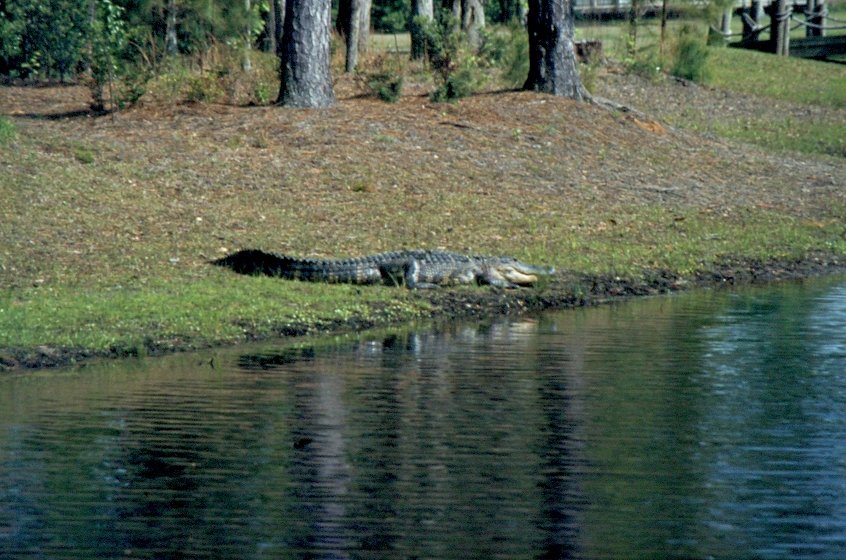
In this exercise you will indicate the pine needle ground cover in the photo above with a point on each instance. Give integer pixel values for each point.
(107, 224)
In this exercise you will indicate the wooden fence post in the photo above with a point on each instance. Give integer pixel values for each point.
(817, 8)
(780, 27)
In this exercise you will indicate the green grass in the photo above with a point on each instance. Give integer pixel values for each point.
(8, 132)
(638, 240)
(222, 308)
(789, 134)
(790, 79)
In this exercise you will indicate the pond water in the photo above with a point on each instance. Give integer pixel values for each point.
(706, 425)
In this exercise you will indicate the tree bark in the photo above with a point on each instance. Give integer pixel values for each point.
(364, 26)
(246, 62)
(279, 9)
(269, 44)
(342, 20)
(455, 7)
(171, 44)
(273, 26)
(352, 35)
(473, 20)
(422, 11)
(306, 77)
(552, 55)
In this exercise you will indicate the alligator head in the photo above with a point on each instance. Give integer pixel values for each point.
(516, 273)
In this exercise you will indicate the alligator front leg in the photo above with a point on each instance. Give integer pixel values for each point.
(411, 270)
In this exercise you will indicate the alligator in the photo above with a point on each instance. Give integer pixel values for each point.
(416, 269)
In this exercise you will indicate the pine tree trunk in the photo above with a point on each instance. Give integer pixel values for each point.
(473, 20)
(364, 26)
(269, 44)
(421, 10)
(279, 9)
(352, 35)
(272, 28)
(246, 62)
(552, 56)
(342, 20)
(306, 77)
(171, 45)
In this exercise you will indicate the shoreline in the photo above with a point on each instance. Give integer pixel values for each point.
(567, 290)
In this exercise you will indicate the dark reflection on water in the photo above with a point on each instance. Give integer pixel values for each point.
(708, 425)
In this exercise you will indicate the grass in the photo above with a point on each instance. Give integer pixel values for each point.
(807, 81)
(7, 131)
(214, 310)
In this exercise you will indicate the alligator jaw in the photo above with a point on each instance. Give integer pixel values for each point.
(522, 274)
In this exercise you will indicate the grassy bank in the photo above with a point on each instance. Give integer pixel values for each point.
(108, 223)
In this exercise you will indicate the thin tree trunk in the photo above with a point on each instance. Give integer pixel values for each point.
(269, 44)
(422, 11)
(171, 44)
(306, 77)
(552, 55)
(364, 26)
(246, 63)
(455, 7)
(342, 20)
(522, 16)
(473, 20)
(352, 35)
(279, 9)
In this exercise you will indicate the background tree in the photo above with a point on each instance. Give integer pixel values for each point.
(390, 16)
(552, 55)
(344, 22)
(47, 38)
(273, 23)
(364, 25)
(473, 20)
(422, 14)
(306, 79)
(353, 28)
(171, 42)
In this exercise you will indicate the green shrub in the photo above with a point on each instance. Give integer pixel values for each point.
(387, 86)
(262, 93)
(202, 88)
(461, 82)
(515, 59)
(383, 77)
(691, 57)
(455, 69)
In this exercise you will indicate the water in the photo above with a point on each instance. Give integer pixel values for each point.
(698, 426)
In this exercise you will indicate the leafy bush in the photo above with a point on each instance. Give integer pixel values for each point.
(387, 86)
(215, 76)
(691, 57)
(383, 77)
(455, 68)
(515, 57)
(462, 81)
(108, 38)
(43, 39)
